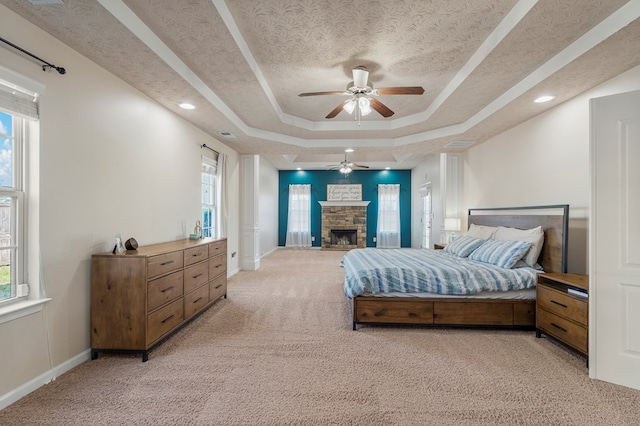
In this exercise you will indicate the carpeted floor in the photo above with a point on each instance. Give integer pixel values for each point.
(280, 351)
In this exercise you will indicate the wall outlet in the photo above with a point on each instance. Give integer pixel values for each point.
(374, 239)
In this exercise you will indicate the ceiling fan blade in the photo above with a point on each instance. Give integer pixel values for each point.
(360, 76)
(335, 92)
(409, 90)
(336, 110)
(361, 165)
(382, 109)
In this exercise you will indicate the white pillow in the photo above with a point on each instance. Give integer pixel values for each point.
(481, 231)
(535, 236)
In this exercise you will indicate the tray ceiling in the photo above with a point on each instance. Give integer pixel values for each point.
(242, 63)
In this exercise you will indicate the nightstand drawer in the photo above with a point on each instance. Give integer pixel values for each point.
(562, 304)
(562, 329)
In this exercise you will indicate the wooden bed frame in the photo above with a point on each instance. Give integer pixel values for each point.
(465, 312)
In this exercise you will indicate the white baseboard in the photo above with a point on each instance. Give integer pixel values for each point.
(269, 252)
(46, 377)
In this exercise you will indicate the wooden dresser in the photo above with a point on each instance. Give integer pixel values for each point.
(562, 309)
(140, 297)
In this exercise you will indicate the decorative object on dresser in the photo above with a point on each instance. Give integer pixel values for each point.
(437, 246)
(562, 309)
(139, 298)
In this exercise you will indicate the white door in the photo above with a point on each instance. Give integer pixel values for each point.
(614, 264)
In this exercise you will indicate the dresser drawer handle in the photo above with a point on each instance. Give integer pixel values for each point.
(167, 318)
(559, 304)
(196, 276)
(167, 263)
(197, 300)
(167, 289)
(218, 265)
(218, 286)
(558, 327)
(196, 254)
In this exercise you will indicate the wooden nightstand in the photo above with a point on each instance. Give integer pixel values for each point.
(562, 309)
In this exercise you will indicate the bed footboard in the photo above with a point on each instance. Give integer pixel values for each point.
(445, 312)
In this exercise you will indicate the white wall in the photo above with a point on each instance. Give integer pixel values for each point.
(112, 161)
(543, 161)
(268, 214)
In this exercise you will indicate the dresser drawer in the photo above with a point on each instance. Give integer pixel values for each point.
(195, 301)
(163, 263)
(196, 254)
(562, 304)
(562, 329)
(217, 265)
(164, 320)
(217, 248)
(195, 276)
(163, 290)
(217, 287)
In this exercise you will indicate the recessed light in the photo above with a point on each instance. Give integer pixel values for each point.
(545, 98)
(298, 168)
(348, 150)
(387, 168)
(186, 105)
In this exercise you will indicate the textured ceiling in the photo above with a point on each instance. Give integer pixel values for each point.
(244, 62)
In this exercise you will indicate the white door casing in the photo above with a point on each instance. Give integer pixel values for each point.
(614, 263)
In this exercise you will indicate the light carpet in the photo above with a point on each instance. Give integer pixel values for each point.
(280, 351)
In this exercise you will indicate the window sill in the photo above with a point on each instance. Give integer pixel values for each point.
(21, 309)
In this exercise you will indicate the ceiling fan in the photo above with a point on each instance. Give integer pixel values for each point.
(347, 166)
(362, 97)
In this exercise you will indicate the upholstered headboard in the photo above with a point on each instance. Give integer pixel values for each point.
(554, 220)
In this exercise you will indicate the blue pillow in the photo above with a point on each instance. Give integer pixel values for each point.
(501, 253)
(463, 246)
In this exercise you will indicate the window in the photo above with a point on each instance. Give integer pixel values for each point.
(11, 198)
(299, 217)
(209, 197)
(12, 208)
(20, 293)
(388, 235)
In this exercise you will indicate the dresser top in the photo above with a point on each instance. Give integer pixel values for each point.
(160, 248)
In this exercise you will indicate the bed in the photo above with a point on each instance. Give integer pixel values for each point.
(376, 298)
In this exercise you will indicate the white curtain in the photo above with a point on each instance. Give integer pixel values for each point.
(388, 235)
(299, 218)
(223, 198)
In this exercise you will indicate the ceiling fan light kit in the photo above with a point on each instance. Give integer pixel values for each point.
(363, 97)
(345, 167)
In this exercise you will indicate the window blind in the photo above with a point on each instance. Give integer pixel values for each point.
(209, 165)
(18, 101)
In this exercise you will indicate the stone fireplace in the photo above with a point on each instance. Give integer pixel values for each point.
(344, 224)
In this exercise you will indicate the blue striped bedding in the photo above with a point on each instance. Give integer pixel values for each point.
(372, 270)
